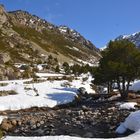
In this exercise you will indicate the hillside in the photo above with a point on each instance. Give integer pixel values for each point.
(27, 37)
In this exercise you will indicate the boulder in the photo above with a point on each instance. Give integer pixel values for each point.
(6, 125)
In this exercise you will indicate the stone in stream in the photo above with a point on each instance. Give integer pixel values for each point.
(88, 135)
(6, 125)
(19, 123)
(83, 121)
(14, 122)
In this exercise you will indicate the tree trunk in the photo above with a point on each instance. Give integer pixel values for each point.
(125, 89)
(122, 89)
(108, 88)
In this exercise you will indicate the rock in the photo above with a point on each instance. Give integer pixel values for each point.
(33, 127)
(4, 57)
(4, 113)
(31, 122)
(6, 125)
(3, 17)
(80, 112)
(88, 135)
(19, 123)
(112, 109)
(85, 108)
(14, 122)
(42, 122)
(38, 124)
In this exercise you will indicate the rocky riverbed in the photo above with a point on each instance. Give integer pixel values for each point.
(81, 120)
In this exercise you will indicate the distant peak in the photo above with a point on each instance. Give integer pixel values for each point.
(134, 38)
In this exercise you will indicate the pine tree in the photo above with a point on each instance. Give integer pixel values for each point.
(120, 63)
(57, 69)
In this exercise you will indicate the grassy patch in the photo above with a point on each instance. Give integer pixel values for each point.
(6, 93)
(3, 84)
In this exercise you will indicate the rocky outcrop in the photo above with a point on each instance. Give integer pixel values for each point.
(4, 57)
(76, 37)
(3, 16)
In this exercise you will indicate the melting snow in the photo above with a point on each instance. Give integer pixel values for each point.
(43, 94)
(129, 105)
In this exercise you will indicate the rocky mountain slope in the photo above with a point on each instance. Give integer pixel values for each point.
(135, 38)
(25, 38)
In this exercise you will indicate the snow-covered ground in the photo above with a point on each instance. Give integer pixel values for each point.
(132, 137)
(43, 94)
(51, 93)
(132, 122)
(49, 75)
(135, 86)
(127, 105)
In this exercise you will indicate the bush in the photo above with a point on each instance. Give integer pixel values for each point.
(66, 84)
(68, 78)
(3, 84)
(6, 93)
(57, 69)
(1, 134)
(84, 79)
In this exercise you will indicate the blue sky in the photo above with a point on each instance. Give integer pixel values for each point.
(97, 20)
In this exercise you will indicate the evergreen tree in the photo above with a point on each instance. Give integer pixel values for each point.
(120, 63)
(57, 69)
(66, 67)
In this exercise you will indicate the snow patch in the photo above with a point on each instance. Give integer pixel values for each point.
(128, 105)
(135, 136)
(132, 122)
(135, 86)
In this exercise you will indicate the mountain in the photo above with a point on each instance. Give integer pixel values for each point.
(135, 38)
(26, 38)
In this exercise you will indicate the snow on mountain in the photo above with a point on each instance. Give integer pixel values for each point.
(135, 38)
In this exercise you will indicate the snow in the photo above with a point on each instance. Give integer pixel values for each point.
(103, 48)
(135, 136)
(132, 122)
(128, 105)
(50, 94)
(121, 129)
(85, 62)
(1, 118)
(135, 86)
(39, 67)
(126, 36)
(49, 75)
(62, 30)
(43, 94)
(76, 49)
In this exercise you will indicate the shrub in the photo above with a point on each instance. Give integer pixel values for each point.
(66, 84)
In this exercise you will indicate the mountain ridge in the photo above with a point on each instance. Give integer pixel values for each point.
(21, 21)
(134, 38)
